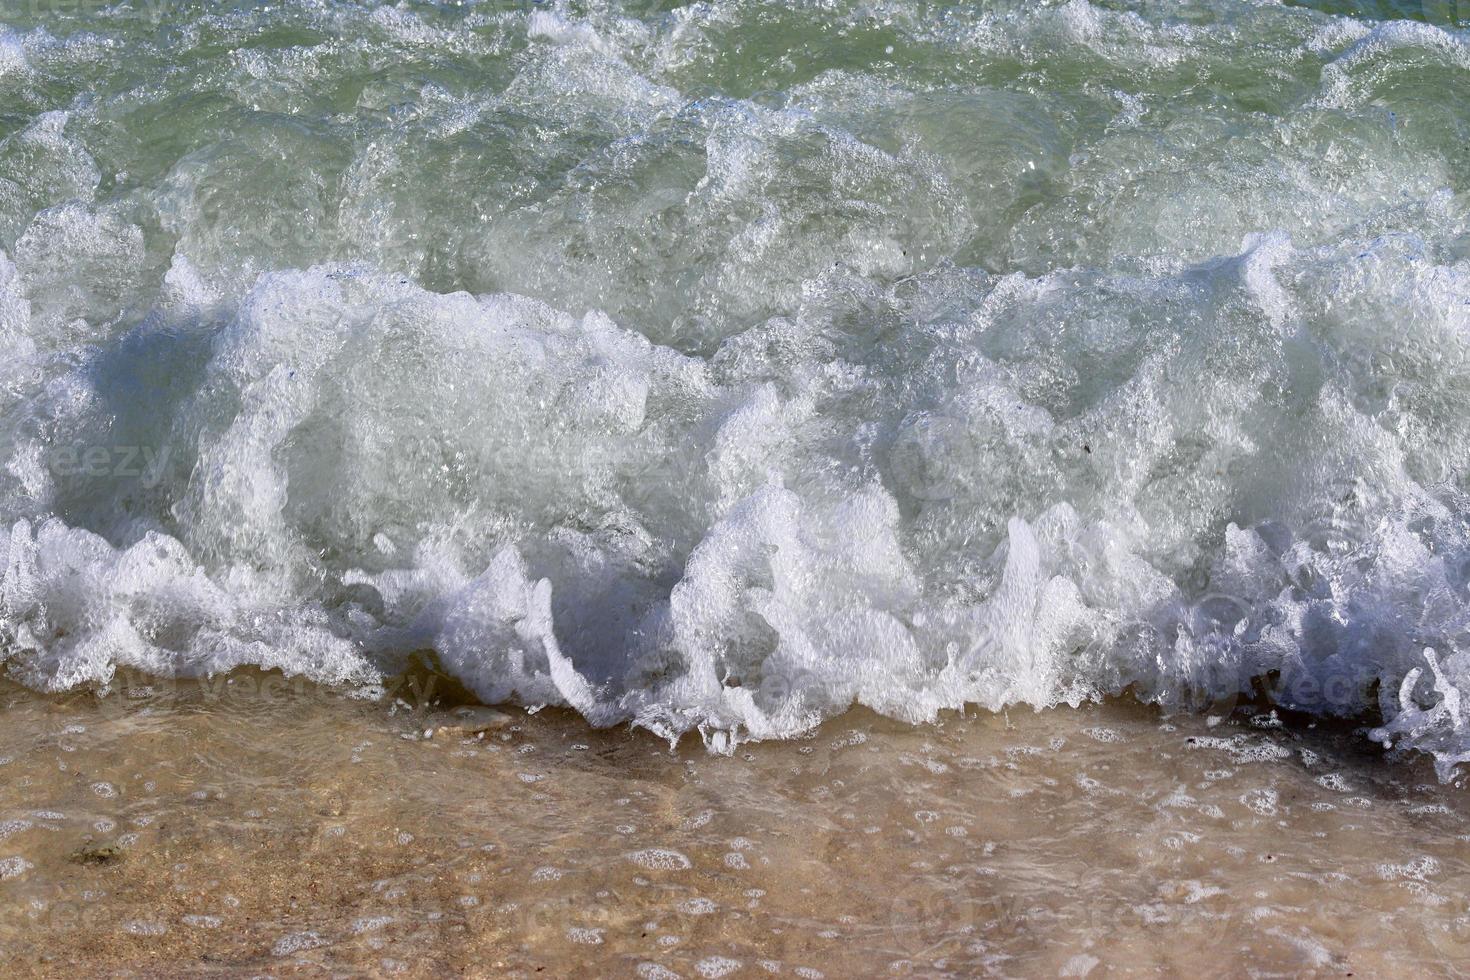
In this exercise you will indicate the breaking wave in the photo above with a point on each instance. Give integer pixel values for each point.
(721, 366)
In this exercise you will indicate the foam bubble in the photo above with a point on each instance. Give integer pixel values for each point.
(660, 859)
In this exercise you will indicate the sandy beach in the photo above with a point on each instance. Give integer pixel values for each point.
(265, 827)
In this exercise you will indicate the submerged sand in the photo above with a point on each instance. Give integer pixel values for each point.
(269, 828)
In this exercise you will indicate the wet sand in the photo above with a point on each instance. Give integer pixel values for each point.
(263, 827)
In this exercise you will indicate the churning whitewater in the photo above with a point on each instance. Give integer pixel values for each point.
(720, 366)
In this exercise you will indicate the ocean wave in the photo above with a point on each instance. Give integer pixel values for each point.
(1013, 354)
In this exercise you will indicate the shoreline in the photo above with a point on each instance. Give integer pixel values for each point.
(179, 835)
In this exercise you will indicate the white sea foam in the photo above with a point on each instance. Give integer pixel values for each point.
(618, 382)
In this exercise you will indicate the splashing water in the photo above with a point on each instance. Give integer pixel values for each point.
(720, 366)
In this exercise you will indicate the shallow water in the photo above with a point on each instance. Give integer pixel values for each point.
(272, 828)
